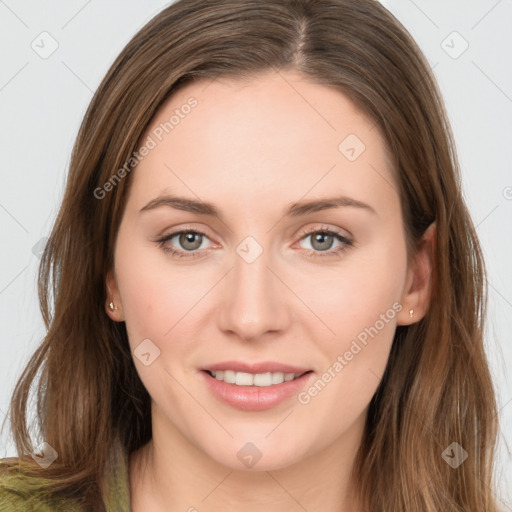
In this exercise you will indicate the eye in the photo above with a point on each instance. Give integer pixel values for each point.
(188, 241)
(322, 241)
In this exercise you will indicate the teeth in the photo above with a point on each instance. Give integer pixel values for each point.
(251, 379)
(244, 379)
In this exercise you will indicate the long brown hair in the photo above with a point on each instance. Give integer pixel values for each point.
(437, 388)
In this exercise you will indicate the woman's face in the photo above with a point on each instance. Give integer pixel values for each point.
(300, 268)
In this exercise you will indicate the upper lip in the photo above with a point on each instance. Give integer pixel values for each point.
(260, 367)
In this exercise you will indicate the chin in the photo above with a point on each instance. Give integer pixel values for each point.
(257, 455)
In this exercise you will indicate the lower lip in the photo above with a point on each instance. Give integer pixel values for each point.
(255, 398)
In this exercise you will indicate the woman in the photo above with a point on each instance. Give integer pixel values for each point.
(263, 289)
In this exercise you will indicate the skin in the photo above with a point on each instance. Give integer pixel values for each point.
(252, 148)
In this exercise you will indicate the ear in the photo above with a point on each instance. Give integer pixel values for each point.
(113, 298)
(418, 285)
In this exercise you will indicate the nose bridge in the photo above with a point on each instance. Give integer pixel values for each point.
(254, 303)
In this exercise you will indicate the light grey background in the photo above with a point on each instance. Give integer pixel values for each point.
(42, 101)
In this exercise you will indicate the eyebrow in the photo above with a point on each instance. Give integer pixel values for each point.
(297, 209)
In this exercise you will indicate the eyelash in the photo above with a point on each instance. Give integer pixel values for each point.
(346, 243)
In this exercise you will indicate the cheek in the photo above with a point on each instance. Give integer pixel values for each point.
(155, 294)
(140, 301)
(155, 299)
(367, 283)
(362, 305)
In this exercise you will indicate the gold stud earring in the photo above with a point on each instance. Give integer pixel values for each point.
(111, 303)
(411, 312)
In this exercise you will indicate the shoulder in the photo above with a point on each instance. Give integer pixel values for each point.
(23, 493)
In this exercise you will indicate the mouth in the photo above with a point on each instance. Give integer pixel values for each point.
(255, 387)
(254, 379)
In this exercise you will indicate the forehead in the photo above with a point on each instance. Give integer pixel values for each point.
(278, 136)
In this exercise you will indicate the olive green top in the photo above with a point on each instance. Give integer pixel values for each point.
(19, 493)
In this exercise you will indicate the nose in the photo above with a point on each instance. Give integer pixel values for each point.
(255, 302)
